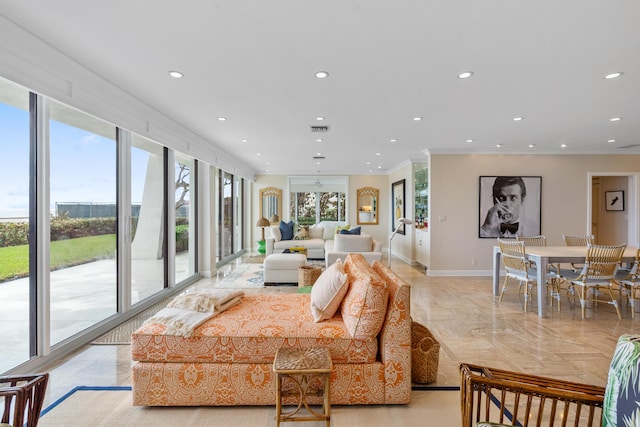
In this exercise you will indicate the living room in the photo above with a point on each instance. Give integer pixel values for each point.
(398, 88)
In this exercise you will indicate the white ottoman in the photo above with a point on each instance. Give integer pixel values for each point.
(283, 268)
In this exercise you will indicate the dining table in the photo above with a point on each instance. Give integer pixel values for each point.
(542, 256)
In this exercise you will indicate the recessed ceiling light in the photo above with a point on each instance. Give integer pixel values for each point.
(378, 154)
(465, 75)
(267, 170)
(244, 140)
(379, 167)
(222, 119)
(393, 140)
(258, 154)
(322, 75)
(417, 119)
(317, 163)
(531, 145)
(517, 119)
(613, 75)
(319, 118)
(367, 163)
(615, 119)
(268, 163)
(469, 140)
(370, 170)
(498, 145)
(611, 140)
(318, 154)
(319, 140)
(563, 145)
(176, 74)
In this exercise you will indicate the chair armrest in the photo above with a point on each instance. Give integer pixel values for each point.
(510, 398)
(269, 245)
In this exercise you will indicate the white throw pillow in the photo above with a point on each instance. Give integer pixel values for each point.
(329, 231)
(315, 232)
(276, 233)
(328, 291)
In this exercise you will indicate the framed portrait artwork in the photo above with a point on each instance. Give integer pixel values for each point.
(614, 200)
(509, 206)
(398, 205)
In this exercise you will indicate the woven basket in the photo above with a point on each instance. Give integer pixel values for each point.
(425, 354)
(308, 274)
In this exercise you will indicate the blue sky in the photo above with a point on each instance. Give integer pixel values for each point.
(83, 165)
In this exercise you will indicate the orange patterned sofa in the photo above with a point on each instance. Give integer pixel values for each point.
(228, 360)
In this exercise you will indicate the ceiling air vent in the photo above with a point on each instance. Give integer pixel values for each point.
(319, 128)
(629, 146)
(318, 157)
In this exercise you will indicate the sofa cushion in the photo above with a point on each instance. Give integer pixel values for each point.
(365, 305)
(329, 228)
(315, 232)
(286, 228)
(328, 291)
(352, 243)
(275, 233)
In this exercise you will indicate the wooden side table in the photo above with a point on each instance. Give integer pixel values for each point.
(300, 364)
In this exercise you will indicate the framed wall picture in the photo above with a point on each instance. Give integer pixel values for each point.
(614, 200)
(509, 206)
(398, 205)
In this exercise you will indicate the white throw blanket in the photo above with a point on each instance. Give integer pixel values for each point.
(186, 312)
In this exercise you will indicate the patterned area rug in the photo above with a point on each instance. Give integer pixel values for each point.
(243, 276)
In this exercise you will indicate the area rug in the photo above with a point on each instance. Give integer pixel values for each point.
(243, 276)
(122, 334)
(111, 406)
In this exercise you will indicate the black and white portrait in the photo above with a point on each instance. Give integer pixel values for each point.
(509, 206)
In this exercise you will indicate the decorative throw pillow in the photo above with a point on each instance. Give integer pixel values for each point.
(286, 228)
(354, 230)
(342, 227)
(328, 231)
(275, 233)
(315, 232)
(328, 291)
(365, 305)
(302, 233)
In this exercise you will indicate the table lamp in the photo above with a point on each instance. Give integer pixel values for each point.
(262, 223)
(401, 221)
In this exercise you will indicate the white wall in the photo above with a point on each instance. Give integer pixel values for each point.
(455, 201)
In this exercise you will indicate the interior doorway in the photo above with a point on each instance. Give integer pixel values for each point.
(617, 223)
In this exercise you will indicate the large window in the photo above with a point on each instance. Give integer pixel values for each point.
(83, 276)
(147, 226)
(317, 199)
(14, 226)
(185, 219)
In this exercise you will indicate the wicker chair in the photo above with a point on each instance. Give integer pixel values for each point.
(631, 283)
(555, 277)
(23, 397)
(518, 267)
(599, 271)
(495, 397)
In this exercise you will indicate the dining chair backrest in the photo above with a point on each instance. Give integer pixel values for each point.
(602, 261)
(578, 240)
(513, 256)
(540, 240)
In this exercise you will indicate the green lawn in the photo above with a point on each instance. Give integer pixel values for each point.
(14, 260)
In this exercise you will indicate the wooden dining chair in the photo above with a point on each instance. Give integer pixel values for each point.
(599, 272)
(630, 283)
(517, 267)
(555, 279)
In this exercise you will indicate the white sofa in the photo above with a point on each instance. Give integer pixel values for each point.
(344, 244)
(314, 244)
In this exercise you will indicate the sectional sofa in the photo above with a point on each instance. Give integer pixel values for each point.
(228, 360)
(324, 243)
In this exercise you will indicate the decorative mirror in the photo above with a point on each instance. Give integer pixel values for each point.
(270, 202)
(367, 205)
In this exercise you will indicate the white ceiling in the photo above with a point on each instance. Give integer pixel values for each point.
(253, 62)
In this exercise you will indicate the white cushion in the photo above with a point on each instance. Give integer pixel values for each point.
(352, 243)
(329, 231)
(315, 232)
(276, 233)
(328, 291)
